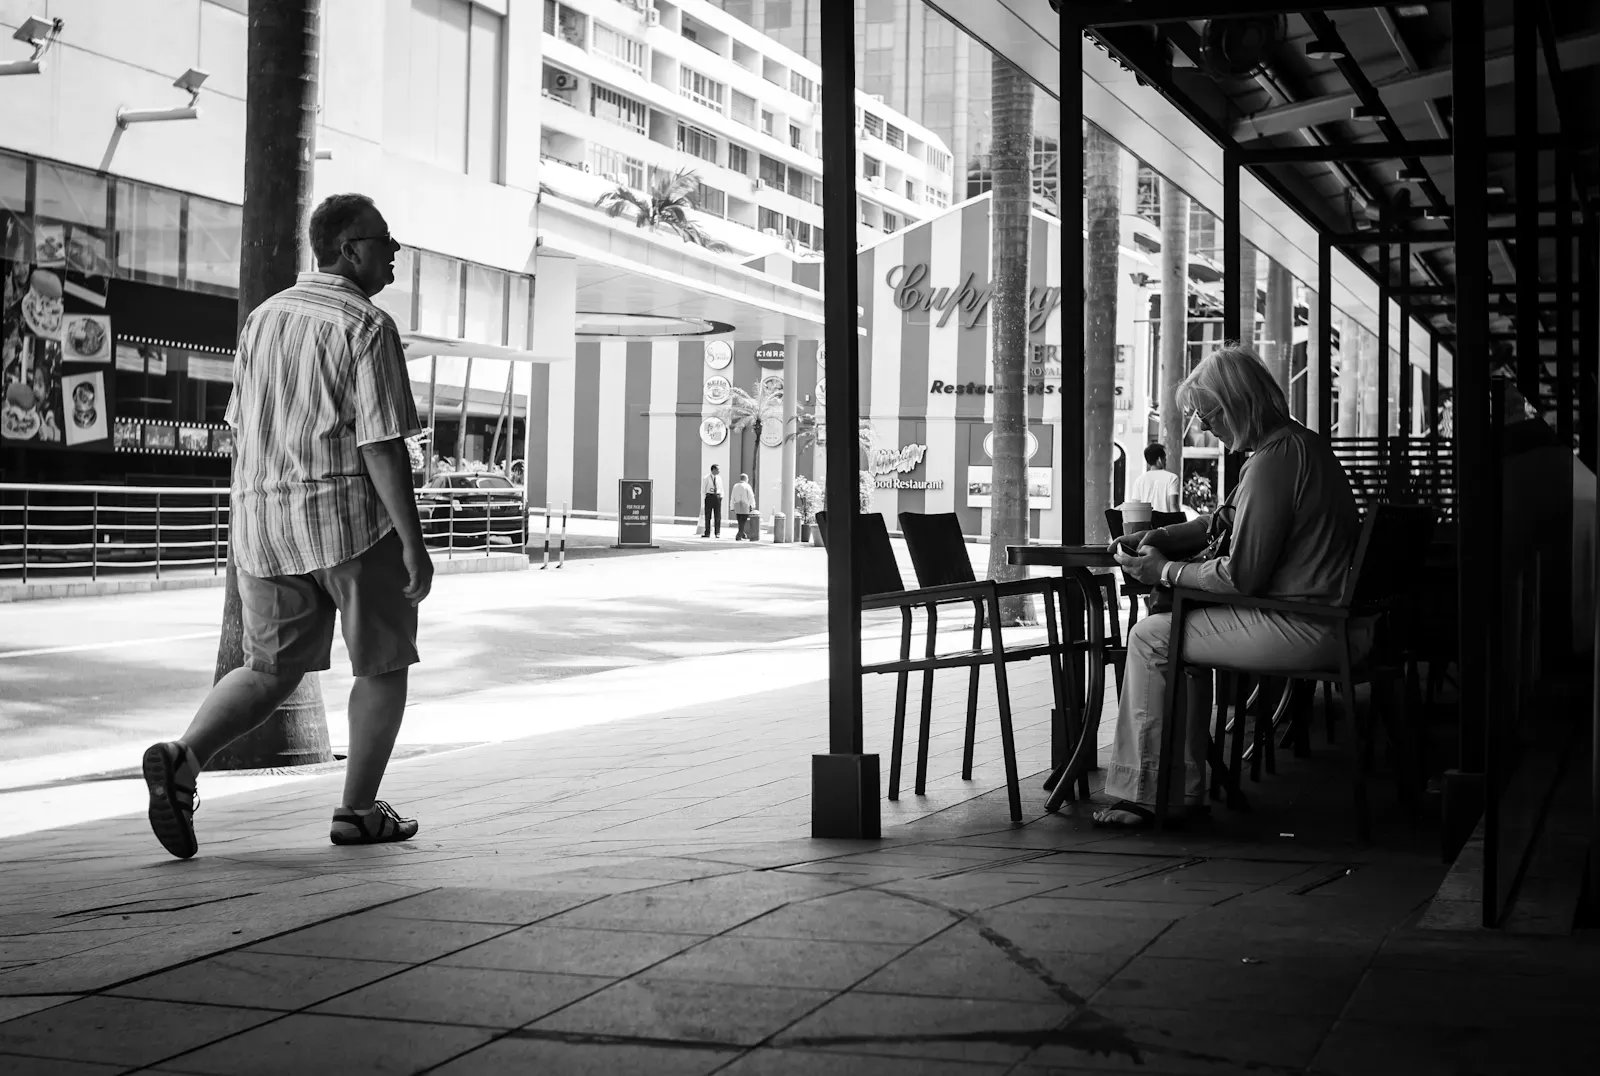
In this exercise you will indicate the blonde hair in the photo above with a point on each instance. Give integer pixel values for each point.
(1234, 380)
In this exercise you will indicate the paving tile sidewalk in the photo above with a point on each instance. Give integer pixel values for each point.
(642, 896)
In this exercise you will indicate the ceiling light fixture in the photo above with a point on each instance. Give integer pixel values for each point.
(1327, 48)
(1411, 11)
(1495, 191)
(41, 34)
(1411, 175)
(1366, 114)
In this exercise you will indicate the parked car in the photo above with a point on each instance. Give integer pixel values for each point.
(449, 518)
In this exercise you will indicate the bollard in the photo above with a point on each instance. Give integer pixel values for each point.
(562, 563)
(780, 528)
(546, 563)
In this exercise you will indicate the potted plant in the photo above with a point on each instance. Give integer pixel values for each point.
(808, 500)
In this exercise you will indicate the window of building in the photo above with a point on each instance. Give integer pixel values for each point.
(880, 36)
(486, 305)
(802, 86)
(871, 167)
(13, 183)
(772, 172)
(877, 71)
(213, 251)
(618, 167)
(561, 21)
(769, 124)
(613, 107)
(738, 158)
(439, 296)
(744, 109)
(69, 195)
(444, 105)
(936, 197)
(894, 136)
(816, 238)
(880, 11)
(873, 124)
(148, 220)
(801, 231)
(620, 48)
(800, 184)
(911, 190)
(1148, 203)
(701, 89)
(797, 139)
(891, 223)
(770, 220)
(693, 140)
(939, 159)
(712, 200)
(780, 15)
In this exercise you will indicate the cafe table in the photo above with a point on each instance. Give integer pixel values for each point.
(1083, 718)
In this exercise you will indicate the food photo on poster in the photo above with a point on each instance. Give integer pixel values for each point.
(30, 354)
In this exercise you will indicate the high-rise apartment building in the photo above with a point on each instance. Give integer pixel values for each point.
(918, 62)
(658, 85)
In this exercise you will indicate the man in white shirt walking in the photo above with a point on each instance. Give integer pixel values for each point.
(711, 488)
(1157, 487)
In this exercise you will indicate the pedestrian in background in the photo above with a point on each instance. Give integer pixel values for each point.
(324, 519)
(742, 502)
(711, 488)
(1157, 487)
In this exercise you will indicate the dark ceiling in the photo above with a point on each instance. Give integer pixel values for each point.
(1252, 83)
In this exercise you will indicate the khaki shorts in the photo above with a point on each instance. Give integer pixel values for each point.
(288, 619)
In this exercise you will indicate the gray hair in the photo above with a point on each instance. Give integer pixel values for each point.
(1234, 380)
(744, 478)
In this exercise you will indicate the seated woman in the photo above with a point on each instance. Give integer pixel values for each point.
(1288, 531)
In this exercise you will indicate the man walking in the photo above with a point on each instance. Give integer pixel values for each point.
(1157, 487)
(712, 489)
(742, 502)
(323, 519)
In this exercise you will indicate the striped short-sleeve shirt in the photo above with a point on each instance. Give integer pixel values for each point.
(321, 372)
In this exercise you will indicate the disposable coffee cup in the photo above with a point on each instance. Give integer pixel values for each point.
(1136, 516)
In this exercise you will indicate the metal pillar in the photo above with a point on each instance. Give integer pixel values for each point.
(1589, 341)
(1564, 379)
(1525, 69)
(1279, 332)
(789, 527)
(432, 447)
(1231, 246)
(844, 782)
(1476, 515)
(1330, 422)
(1385, 283)
(1407, 373)
(1434, 414)
(1074, 469)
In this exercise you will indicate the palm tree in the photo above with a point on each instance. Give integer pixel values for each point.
(1102, 180)
(280, 126)
(754, 411)
(1011, 224)
(1174, 315)
(665, 208)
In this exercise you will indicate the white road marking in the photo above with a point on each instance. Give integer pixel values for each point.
(108, 645)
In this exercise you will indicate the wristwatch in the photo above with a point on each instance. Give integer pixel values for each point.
(1166, 573)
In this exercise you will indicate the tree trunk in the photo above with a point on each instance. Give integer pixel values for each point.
(280, 132)
(1102, 188)
(1247, 295)
(1349, 378)
(1174, 317)
(1011, 225)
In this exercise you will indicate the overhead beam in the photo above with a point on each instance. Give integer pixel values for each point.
(1572, 52)
(1140, 12)
(1383, 151)
(1379, 237)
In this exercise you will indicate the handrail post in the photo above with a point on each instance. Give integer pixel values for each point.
(562, 563)
(94, 539)
(545, 566)
(216, 532)
(27, 499)
(158, 536)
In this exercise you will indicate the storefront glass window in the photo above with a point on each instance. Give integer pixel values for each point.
(148, 221)
(13, 183)
(213, 254)
(485, 305)
(439, 304)
(396, 298)
(68, 195)
(521, 312)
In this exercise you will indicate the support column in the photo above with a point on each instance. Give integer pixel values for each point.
(1323, 336)
(1277, 344)
(1525, 113)
(432, 448)
(461, 423)
(1589, 339)
(1385, 287)
(1434, 413)
(844, 782)
(1073, 469)
(1407, 373)
(1476, 514)
(1174, 317)
(1565, 426)
(784, 529)
(1231, 329)
(1352, 362)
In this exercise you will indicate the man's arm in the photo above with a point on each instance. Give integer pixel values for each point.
(389, 467)
(1177, 542)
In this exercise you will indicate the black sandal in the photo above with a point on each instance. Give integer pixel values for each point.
(172, 805)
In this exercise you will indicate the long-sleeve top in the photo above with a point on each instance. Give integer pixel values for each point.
(711, 484)
(742, 499)
(1295, 524)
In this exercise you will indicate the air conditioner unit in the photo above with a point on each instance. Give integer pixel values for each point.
(769, 231)
(761, 184)
(652, 17)
(878, 97)
(564, 81)
(587, 167)
(876, 182)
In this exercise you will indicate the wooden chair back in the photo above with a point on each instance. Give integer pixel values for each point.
(880, 573)
(1390, 554)
(937, 547)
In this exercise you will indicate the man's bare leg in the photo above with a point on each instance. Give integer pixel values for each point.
(377, 703)
(238, 703)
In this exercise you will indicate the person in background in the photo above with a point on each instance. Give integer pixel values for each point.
(742, 502)
(323, 521)
(1157, 487)
(711, 488)
(1288, 532)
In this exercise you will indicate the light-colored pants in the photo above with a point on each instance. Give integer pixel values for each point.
(1248, 639)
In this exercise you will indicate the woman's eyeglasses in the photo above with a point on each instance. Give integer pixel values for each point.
(1204, 417)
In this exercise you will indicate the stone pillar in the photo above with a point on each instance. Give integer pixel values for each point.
(1174, 317)
(785, 527)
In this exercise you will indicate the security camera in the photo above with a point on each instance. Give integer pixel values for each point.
(191, 80)
(41, 34)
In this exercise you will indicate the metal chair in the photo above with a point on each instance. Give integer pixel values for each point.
(1380, 575)
(939, 556)
(882, 587)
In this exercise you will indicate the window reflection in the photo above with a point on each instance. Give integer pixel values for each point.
(213, 255)
(148, 221)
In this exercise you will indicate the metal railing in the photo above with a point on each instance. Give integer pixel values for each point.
(51, 531)
(1400, 470)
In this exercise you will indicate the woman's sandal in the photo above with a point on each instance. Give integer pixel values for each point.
(1144, 817)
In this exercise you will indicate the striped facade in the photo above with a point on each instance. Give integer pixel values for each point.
(633, 409)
